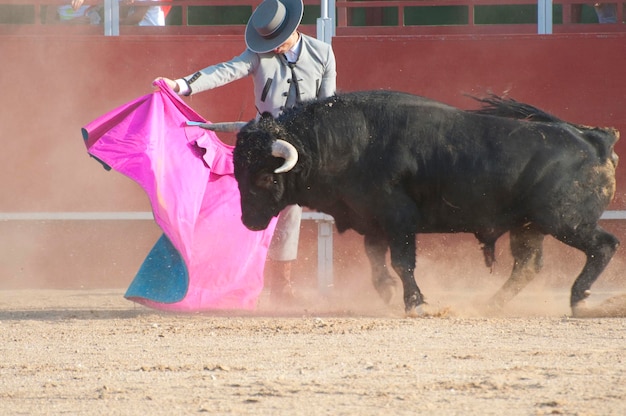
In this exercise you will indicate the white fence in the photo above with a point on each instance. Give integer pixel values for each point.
(324, 231)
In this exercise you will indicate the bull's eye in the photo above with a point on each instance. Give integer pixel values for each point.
(266, 181)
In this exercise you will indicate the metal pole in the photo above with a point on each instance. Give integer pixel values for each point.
(111, 18)
(544, 17)
(324, 256)
(325, 226)
(325, 25)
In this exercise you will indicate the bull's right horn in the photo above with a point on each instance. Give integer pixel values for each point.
(287, 151)
(230, 127)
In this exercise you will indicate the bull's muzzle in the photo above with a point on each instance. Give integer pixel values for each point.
(255, 224)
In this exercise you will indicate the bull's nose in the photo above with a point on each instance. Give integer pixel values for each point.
(255, 225)
(255, 228)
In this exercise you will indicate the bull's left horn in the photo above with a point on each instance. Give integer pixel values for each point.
(230, 127)
(287, 151)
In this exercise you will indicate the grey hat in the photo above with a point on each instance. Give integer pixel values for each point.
(271, 24)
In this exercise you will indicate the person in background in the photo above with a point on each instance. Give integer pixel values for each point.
(82, 15)
(286, 67)
(131, 13)
(74, 13)
(606, 12)
(140, 15)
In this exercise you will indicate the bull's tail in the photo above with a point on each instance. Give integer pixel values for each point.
(494, 105)
(602, 139)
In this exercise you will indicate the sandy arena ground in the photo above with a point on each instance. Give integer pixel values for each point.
(93, 352)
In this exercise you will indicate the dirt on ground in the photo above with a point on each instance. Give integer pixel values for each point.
(93, 352)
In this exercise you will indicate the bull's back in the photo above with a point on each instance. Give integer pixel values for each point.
(463, 171)
(468, 171)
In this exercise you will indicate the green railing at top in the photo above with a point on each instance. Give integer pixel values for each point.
(358, 17)
(471, 16)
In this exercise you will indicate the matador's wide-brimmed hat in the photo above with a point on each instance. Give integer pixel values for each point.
(271, 24)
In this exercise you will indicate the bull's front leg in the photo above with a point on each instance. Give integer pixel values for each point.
(403, 262)
(384, 283)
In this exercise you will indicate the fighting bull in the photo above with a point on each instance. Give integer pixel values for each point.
(390, 165)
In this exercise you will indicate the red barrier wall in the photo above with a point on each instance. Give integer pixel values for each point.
(53, 85)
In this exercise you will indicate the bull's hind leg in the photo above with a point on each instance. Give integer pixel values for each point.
(527, 250)
(384, 283)
(403, 261)
(599, 246)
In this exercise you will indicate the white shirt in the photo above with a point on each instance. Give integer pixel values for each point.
(153, 17)
(293, 53)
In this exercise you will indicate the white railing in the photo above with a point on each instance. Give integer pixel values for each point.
(324, 232)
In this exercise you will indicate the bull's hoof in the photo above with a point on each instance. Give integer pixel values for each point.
(579, 306)
(414, 306)
(581, 310)
(495, 304)
(386, 289)
(426, 310)
(614, 307)
(418, 311)
(491, 309)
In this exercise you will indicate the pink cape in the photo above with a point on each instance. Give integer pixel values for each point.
(207, 259)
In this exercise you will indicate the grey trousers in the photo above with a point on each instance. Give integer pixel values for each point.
(284, 245)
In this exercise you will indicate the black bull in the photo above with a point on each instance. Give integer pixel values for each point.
(390, 165)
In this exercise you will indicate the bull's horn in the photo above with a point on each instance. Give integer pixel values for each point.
(287, 151)
(230, 127)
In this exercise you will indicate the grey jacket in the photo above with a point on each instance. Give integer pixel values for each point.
(315, 71)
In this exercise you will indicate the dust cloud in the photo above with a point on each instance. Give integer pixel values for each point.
(453, 278)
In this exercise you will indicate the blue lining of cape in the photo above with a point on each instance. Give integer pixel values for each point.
(163, 276)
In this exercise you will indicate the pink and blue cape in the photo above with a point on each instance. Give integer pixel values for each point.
(206, 258)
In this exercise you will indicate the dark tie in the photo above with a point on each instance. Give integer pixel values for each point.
(294, 90)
